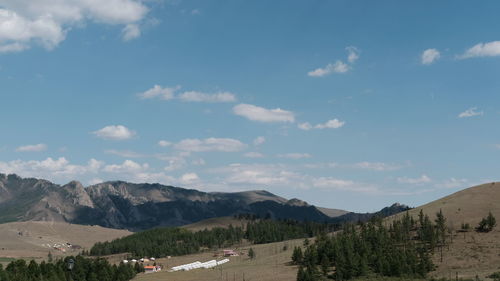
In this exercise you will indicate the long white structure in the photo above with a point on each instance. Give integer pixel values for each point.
(197, 264)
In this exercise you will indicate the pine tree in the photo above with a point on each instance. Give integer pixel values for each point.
(251, 253)
(440, 227)
(297, 256)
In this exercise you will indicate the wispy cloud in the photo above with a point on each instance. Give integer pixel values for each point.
(210, 144)
(453, 183)
(164, 143)
(490, 49)
(295, 155)
(170, 93)
(352, 54)
(253, 154)
(338, 66)
(420, 180)
(429, 56)
(114, 132)
(471, 112)
(193, 96)
(32, 148)
(330, 124)
(376, 166)
(259, 140)
(158, 91)
(261, 114)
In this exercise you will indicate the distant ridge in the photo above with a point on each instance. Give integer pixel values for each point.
(123, 205)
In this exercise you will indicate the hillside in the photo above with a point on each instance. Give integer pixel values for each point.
(465, 206)
(471, 253)
(124, 205)
(36, 238)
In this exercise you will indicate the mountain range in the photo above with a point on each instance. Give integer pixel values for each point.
(123, 205)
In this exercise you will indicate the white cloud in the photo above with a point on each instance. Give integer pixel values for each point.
(195, 12)
(259, 140)
(32, 148)
(353, 54)
(126, 153)
(164, 143)
(340, 184)
(295, 155)
(113, 132)
(128, 166)
(260, 114)
(253, 154)
(131, 31)
(159, 92)
(376, 166)
(422, 179)
(258, 175)
(24, 23)
(12, 48)
(210, 144)
(52, 169)
(189, 178)
(430, 55)
(337, 67)
(169, 93)
(490, 49)
(330, 124)
(453, 183)
(174, 163)
(306, 126)
(471, 112)
(193, 96)
(281, 176)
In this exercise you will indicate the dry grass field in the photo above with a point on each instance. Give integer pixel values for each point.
(35, 239)
(471, 253)
(270, 264)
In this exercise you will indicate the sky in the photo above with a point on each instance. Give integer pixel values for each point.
(345, 104)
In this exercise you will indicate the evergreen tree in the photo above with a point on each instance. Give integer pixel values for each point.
(251, 253)
(297, 256)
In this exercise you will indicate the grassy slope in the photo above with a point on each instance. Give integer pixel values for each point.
(471, 253)
(270, 264)
(35, 234)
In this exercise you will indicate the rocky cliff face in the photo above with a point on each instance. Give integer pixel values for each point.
(136, 206)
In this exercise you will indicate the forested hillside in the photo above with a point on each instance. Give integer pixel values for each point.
(162, 242)
(403, 249)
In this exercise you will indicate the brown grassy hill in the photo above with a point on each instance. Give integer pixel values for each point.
(465, 206)
(471, 253)
(35, 239)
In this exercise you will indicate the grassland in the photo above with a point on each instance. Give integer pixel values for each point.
(271, 263)
(31, 240)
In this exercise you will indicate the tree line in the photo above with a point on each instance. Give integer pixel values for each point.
(403, 249)
(169, 241)
(81, 269)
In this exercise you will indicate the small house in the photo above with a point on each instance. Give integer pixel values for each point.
(230, 253)
(151, 268)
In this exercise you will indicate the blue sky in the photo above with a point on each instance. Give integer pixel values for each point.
(345, 104)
